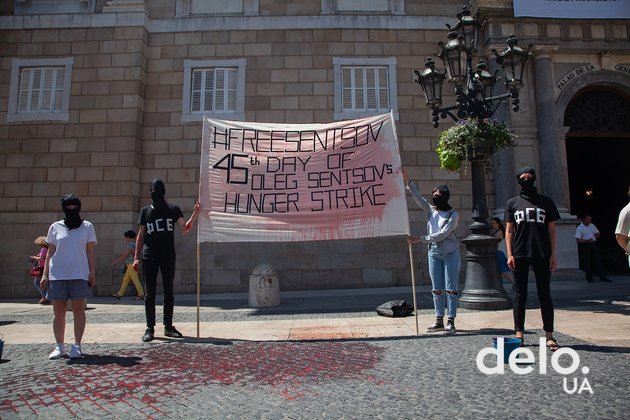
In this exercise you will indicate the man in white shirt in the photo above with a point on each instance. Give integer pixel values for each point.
(586, 236)
(622, 231)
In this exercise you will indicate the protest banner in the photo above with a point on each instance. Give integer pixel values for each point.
(263, 182)
(300, 182)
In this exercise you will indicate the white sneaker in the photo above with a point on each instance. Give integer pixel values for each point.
(75, 351)
(58, 352)
(450, 329)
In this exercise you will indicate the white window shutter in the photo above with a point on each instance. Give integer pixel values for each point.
(231, 97)
(195, 101)
(59, 83)
(208, 90)
(383, 87)
(347, 87)
(359, 82)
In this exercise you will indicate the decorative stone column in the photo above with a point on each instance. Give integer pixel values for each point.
(553, 158)
(553, 161)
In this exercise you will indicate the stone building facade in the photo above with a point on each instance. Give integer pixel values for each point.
(116, 109)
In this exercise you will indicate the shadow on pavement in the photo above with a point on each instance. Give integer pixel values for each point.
(600, 349)
(103, 360)
(195, 340)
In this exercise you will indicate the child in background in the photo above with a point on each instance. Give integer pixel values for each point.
(130, 273)
(39, 261)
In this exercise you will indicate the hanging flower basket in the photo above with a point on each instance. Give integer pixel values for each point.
(472, 139)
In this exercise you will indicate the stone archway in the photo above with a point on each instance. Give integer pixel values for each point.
(597, 149)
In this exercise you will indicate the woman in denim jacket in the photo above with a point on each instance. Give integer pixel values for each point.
(443, 252)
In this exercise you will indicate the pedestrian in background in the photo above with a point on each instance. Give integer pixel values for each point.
(130, 273)
(69, 272)
(497, 229)
(38, 270)
(443, 253)
(530, 239)
(155, 245)
(586, 236)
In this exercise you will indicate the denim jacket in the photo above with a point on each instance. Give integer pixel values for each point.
(444, 236)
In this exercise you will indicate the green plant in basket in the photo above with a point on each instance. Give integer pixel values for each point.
(472, 138)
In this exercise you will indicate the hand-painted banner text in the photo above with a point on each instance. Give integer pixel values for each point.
(296, 182)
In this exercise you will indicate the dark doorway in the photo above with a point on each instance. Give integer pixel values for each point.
(597, 154)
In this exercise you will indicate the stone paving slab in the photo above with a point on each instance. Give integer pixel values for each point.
(601, 328)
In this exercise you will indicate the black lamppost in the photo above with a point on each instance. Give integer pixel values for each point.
(474, 98)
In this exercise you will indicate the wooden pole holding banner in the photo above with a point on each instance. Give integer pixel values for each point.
(198, 280)
(413, 288)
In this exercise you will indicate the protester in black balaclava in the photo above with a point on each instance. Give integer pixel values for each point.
(155, 247)
(158, 191)
(440, 198)
(530, 239)
(72, 217)
(69, 273)
(528, 185)
(443, 252)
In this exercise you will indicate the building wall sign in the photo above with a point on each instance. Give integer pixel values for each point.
(573, 9)
(624, 68)
(569, 77)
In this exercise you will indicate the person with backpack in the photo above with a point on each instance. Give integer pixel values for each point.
(443, 253)
(155, 245)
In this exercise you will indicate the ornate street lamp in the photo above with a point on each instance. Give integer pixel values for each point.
(474, 97)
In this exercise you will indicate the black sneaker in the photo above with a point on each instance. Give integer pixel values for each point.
(172, 332)
(148, 335)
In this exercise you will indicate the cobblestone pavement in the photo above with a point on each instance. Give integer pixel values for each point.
(386, 378)
(424, 376)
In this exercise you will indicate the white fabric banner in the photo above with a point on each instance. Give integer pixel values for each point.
(301, 182)
(573, 9)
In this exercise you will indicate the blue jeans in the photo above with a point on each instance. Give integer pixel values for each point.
(36, 281)
(444, 272)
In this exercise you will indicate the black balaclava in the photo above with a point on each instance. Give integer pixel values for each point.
(441, 202)
(528, 186)
(71, 218)
(158, 191)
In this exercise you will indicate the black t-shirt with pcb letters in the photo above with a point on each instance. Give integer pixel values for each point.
(531, 216)
(160, 222)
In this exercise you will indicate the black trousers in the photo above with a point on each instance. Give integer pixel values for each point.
(591, 261)
(543, 280)
(150, 270)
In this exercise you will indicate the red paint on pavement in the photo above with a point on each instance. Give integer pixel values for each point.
(143, 381)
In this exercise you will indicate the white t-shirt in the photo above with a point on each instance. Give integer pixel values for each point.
(623, 226)
(70, 262)
(586, 232)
